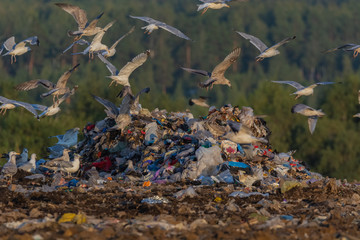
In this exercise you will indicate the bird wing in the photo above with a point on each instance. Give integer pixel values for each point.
(207, 83)
(235, 126)
(98, 37)
(9, 44)
(348, 47)
(197, 71)
(173, 30)
(312, 123)
(299, 108)
(226, 63)
(111, 107)
(34, 84)
(39, 107)
(134, 64)
(4, 100)
(78, 14)
(254, 41)
(326, 83)
(80, 42)
(117, 41)
(109, 65)
(125, 91)
(296, 85)
(92, 24)
(282, 42)
(25, 105)
(137, 96)
(61, 83)
(146, 19)
(34, 40)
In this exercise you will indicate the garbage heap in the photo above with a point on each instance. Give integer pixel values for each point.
(162, 147)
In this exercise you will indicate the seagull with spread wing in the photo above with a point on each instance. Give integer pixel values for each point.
(85, 28)
(54, 109)
(217, 75)
(10, 104)
(309, 112)
(17, 49)
(56, 90)
(95, 46)
(301, 90)
(154, 24)
(265, 51)
(349, 47)
(122, 77)
(201, 101)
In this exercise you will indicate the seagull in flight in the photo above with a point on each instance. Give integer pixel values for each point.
(54, 109)
(201, 101)
(154, 24)
(85, 28)
(17, 49)
(56, 90)
(309, 112)
(10, 104)
(301, 90)
(347, 47)
(212, 4)
(122, 77)
(265, 51)
(217, 74)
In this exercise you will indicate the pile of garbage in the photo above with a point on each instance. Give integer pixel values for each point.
(162, 147)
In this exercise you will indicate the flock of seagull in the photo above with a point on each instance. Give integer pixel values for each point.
(60, 91)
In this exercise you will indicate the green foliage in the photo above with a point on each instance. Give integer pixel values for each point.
(319, 25)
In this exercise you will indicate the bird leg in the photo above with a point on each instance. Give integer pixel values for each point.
(259, 59)
(297, 96)
(205, 10)
(356, 52)
(11, 61)
(15, 58)
(111, 82)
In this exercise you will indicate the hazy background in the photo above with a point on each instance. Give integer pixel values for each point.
(333, 150)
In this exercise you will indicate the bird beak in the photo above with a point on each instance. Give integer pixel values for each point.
(227, 6)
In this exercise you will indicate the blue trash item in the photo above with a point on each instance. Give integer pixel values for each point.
(240, 149)
(286, 217)
(238, 164)
(158, 122)
(72, 183)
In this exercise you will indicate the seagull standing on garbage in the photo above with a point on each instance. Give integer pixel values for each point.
(65, 157)
(30, 166)
(309, 112)
(85, 28)
(56, 90)
(122, 77)
(265, 52)
(241, 134)
(301, 90)
(22, 158)
(17, 49)
(9, 169)
(67, 166)
(217, 75)
(155, 24)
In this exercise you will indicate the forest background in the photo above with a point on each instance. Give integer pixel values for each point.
(333, 149)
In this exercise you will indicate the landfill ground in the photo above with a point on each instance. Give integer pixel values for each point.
(322, 210)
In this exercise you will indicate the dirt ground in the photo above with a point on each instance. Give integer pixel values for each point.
(324, 210)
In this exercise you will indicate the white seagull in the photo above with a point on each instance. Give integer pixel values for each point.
(301, 90)
(309, 112)
(154, 24)
(122, 77)
(265, 51)
(17, 49)
(11, 104)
